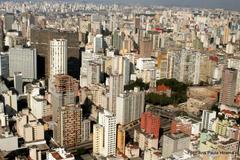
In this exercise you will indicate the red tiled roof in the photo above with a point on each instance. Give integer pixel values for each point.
(162, 88)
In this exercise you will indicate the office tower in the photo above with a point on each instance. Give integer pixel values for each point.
(1, 36)
(58, 57)
(229, 80)
(42, 36)
(105, 140)
(207, 119)
(130, 106)
(8, 20)
(174, 143)
(98, 43)
(115, 88)
(117, 39)
(18, 82)
(4, 65)
(23, 60)
(68, 127)
(93, 73)
(150, 124)
(145, 47)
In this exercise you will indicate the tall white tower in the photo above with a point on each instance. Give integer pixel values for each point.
(58, 57)
(98, 43)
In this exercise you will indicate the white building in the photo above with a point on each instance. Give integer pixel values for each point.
(129, 106)
(97, 43)
(59, 154)
(207, 117)
(58, 57)
(29, 127)
(145, 63)
(10, 99)
(93, 73)
(115, 88)
(105, 140)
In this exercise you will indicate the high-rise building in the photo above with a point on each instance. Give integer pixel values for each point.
(146, 47)
(234, 62)
(115, 88)
(108, 120)
(229, 81)
(174, 143)
(18, 82)
(69, 119)
(130, 106)
(58, 57)
(8, 20)
(150, 124)
(23, 60)
(98, 43)
(105, 140)
(85, 131)
(93, 73)
(97, 139)
(207, 119)
(66, 115)
(40, 39)
(1, 36)
(4, 65)
(117, 40)
(121, 139)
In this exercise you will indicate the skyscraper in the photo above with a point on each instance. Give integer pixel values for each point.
(98, 43)
(116, 87)
(8, 20)
(130, 106)
(207, 117)
(104, 140)
(1, 36)
(146, 47)
(40, 39)
(58, 57)
(18, 83)
(23, 60)
(229, 80)
(69, 121)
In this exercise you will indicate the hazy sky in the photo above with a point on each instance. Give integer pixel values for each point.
(227, 4)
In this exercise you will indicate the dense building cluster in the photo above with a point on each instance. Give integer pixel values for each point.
(116, 82)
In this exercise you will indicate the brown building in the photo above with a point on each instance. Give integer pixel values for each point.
(145, 47)
(69, 120)
(229, 80)
(40, 39)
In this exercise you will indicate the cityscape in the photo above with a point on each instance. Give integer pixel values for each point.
(119, 80)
